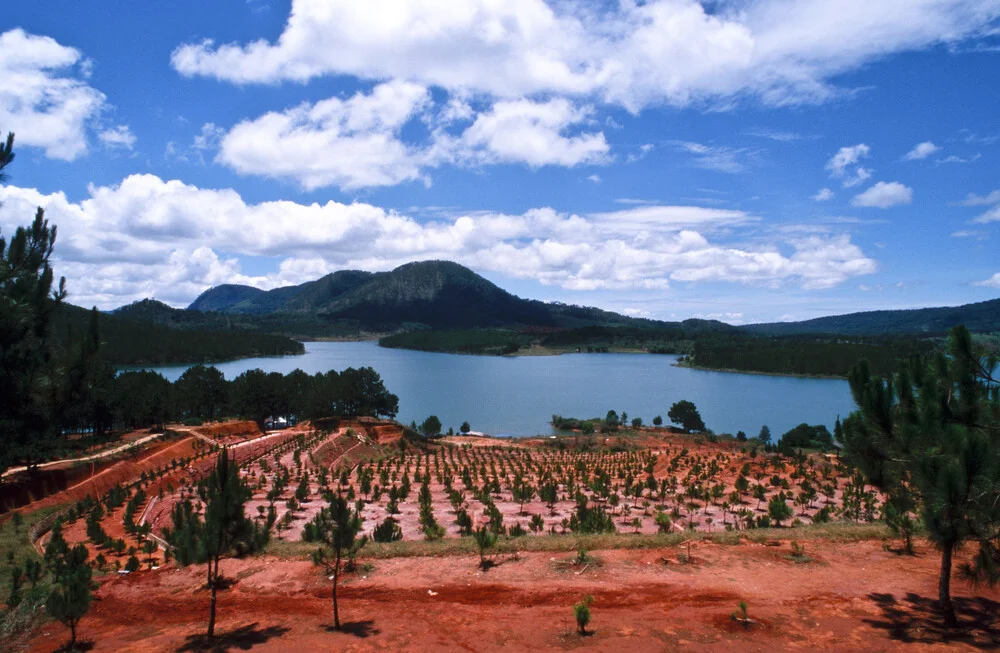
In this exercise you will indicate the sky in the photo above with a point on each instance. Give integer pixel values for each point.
(738, 160)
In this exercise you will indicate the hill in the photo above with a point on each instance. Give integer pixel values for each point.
(137, 335)
(978, 317)
(425, 294)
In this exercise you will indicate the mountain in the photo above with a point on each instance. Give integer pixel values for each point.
(435, 294)
(978, 317)
(220, 298)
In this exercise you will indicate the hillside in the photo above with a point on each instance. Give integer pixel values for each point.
(138, 336)
(978, 317)
(426, 294)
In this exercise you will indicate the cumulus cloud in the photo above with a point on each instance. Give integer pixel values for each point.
(628, 53)
(118, 137)
(844, 165)
(823, 195)
(43, 97)
(883, 195)
(349, 143)
(921, 151)
(992, 282)
(357, 142)
(150, 237)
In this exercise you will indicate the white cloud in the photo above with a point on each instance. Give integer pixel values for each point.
(524, 131)
(357, 142)
(594, 178)
(349, 143)
(883, 195)
(993, 215)
(150, 237)
(43, 97)
(992, 282)
(718, 158)
(843, 165)
(118, 137)
(981, 200)
(921, 151)
(823, 195)
(628, 53)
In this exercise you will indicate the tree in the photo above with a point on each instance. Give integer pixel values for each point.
(931, 433)
(224, 530)
(485, 540)
(765, 434)
(69, 598)
(201, 392)
(685, 413)
(431, 426)
(658, 421)
(337, 528)
(778, 510)
(30, 374)
(465, 428)
(582, 613)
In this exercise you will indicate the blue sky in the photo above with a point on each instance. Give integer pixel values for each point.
(748, 161)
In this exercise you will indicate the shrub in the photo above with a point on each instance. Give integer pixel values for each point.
(582, 613)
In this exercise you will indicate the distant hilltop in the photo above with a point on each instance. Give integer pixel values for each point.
(446, 295)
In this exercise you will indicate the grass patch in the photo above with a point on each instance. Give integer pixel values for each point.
(838, 532)
(31, 612)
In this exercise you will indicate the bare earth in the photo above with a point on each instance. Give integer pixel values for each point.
(852, 597)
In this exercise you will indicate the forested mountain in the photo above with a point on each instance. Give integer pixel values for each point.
(136, 335)
(434, 294)
(978, 317)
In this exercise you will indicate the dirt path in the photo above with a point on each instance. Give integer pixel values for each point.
(96, 456)
(848, 597)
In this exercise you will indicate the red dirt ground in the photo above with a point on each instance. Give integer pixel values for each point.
(853, 597)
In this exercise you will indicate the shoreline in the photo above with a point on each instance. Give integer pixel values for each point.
(729, 370)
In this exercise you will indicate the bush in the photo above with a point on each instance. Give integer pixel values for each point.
(192, 421)
(582, 613)
(388, 531)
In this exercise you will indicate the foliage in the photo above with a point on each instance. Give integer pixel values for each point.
(224, 530)
(581, 612)
(69, 598)
(930, 432)
(337, 527)
(686, 414)
(804, 436)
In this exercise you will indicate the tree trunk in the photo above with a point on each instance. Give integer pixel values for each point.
(944, 586)
(72, 635)
(336, 577)
(212, 585)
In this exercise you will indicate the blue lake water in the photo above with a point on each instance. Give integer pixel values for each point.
(517, 396)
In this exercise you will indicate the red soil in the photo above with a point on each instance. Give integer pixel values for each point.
(853, 597)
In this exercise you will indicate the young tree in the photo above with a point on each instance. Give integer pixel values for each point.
(69, 598)
(224, 530)
(485, 540)
(686, 414)
(431, 426)
(778, 510)
(337, 528)
(582, 613)
(932, 432)
(764, 435)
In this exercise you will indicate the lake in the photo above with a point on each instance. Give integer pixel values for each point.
(517, 396)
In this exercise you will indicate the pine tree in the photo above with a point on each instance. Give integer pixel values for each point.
(337, 527)
(225, 529)
(29, 373)
(931, 434)
(69, 598)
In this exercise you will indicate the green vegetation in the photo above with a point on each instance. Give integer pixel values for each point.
(928, 438)
(134, 342)
(685, 414)
(581, 611)
(223, 531)
(495, 342)
(336, 528)
(806, 355)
